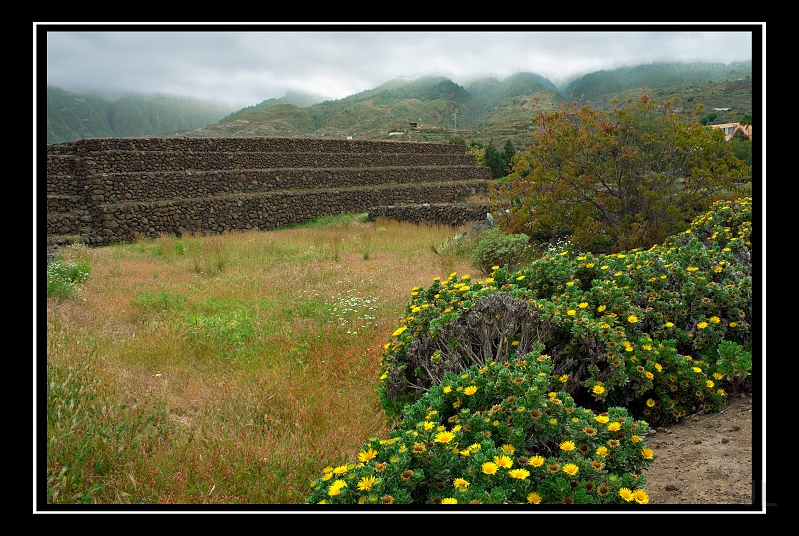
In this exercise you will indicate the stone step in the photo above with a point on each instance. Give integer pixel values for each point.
(251, 144)
(170, 161)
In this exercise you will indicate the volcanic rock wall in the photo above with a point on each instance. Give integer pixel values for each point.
(452, 214)
(102, 191)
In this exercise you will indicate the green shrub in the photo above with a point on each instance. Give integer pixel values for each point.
(651, 330)
(64, 276)
(734, 364)
(497, 434)
(494, 248)
(742, 149)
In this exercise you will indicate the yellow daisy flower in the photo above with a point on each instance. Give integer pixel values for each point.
(335, 487)
(571, 469)
(444, 437)
(521, 474)
(366, 482)
(536, 461)
(340, 470)
(366, 455)
(503, 461)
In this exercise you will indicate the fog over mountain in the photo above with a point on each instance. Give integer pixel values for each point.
(243, 68)
(484, 108)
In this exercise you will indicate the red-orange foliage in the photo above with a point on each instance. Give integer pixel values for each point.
(614, 181)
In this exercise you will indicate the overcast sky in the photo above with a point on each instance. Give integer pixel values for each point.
(241, 68)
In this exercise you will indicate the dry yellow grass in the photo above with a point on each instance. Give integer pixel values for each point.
(218, 369)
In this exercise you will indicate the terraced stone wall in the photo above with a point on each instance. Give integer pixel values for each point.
(102, 191)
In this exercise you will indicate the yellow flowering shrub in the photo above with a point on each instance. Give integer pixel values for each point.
(513, 441)
(616, 326)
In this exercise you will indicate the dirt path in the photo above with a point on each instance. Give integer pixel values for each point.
(705, 459)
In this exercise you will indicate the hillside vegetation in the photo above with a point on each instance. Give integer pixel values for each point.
(73, 115)
(482, 109)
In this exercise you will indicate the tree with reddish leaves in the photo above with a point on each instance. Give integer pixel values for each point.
(611, 181)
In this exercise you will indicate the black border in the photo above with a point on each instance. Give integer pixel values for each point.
(40, 239)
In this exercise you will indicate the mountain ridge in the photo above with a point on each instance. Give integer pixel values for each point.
(488, 107)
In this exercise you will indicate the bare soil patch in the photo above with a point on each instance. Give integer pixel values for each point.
(706, 459)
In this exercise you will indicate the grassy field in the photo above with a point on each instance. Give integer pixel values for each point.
(226, 369)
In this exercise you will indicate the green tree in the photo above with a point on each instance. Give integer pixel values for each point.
(496, 160)
(709, 118)
(746, 120)
(614, 181)
(509, 151)
(742, 148)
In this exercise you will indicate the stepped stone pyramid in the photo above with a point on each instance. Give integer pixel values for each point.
(103, 191)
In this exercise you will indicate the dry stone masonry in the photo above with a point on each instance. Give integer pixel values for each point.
(453, 214)
(103, 191)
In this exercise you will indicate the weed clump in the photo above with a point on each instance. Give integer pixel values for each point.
(66, 272)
